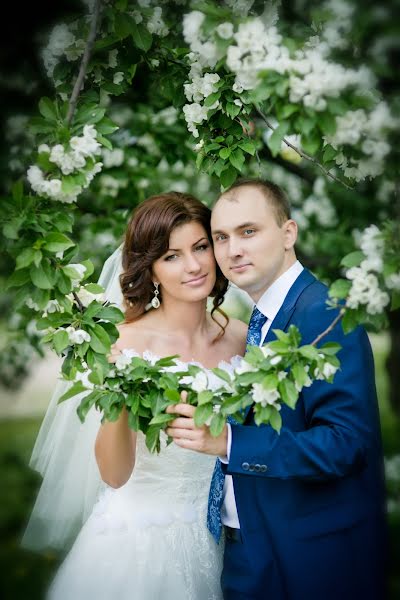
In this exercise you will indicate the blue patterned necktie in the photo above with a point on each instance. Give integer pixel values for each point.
(215, 498)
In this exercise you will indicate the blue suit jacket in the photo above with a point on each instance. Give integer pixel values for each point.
(312, 523)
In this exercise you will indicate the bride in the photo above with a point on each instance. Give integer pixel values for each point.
(144, 534)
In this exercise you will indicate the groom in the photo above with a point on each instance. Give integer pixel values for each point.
(302, 510)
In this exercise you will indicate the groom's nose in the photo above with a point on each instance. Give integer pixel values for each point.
(234, 247)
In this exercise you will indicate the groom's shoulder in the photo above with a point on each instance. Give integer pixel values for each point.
(313, 298)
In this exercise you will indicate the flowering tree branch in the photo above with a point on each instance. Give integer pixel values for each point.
(329, 328)
(300, 152)
(85, 60)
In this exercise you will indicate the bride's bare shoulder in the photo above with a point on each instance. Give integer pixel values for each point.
(132, 336)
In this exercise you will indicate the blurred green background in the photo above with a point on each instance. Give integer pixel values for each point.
(26, 575)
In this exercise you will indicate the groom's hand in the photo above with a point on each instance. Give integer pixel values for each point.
(187, 435)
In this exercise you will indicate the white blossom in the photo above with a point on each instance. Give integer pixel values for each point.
(198, 383)
(112, 158)
(77, 336)
(225, 30)
(265, 397)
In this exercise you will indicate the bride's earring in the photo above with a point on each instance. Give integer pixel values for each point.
(155, 301)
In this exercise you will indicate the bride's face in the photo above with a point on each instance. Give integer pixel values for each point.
(187, 271)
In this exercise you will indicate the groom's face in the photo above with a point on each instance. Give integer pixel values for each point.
(251, 248)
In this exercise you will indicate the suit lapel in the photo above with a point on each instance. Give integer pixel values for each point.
(285, 312)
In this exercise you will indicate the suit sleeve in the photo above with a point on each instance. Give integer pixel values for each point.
(341, 421)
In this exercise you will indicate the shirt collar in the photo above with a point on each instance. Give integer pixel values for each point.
(273, 298)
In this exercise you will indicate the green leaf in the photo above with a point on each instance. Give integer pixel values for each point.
(327, 123)
(57, 242)
(60, 340)
(232, 405)
(111, 313)
(202, 413)
(353, 259)
(232, 109)
(299, 373)
(47, 109)
(288, 392)
(141, 37)
(309, 352)
(236, 158)
(133, 421)
(153, 439)
(262, 414)
(275, 420)
(329, 153)
(312, 142)
(275, 140)
(86, 404)
(395, 302)
(89, 268)
(339, 289)
(25, 258)
(225, 153)
(212, 98)
(222, 374)
(44, 276)
(11, 229)
(330, 348)
(18, 278)
(228, 177)
(350, 320)
(173, 395)
(248, 147)
(217, 424)
(123, 25)
(161, 419)
(100, 341)
(76, 389)
(204, 397)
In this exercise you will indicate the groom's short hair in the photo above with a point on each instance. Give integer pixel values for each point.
(274, 195)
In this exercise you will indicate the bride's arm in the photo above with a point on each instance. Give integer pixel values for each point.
(115, 450)
(115, 447)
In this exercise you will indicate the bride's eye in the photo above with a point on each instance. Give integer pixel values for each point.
(202, 247)
(170, 257)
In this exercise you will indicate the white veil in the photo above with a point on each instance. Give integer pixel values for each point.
(64, 454)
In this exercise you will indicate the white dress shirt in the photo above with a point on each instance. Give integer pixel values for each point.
(269, 304)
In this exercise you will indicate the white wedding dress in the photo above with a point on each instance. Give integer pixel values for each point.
(148, 540)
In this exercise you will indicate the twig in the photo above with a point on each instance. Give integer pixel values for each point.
(328, 329)
(79, 303)
(301, 153)
(85, 61)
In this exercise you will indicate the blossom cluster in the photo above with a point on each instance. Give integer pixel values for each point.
(79, 158)
(365, 288)
(364, 129)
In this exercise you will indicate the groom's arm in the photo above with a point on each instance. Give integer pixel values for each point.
(341, 425)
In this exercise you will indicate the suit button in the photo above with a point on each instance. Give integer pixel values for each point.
(245, 466)
(263, 468)
(251, 468)
(257, 467)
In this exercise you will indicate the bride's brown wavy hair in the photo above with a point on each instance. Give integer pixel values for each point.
(147, 239)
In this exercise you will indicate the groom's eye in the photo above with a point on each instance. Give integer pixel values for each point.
(249, 231)
(220, 237)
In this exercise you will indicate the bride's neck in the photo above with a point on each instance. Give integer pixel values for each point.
(184, 319)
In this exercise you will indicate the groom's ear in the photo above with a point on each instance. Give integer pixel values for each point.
(290, 233)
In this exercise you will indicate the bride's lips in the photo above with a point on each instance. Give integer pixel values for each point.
(196, 281)
(240, 268)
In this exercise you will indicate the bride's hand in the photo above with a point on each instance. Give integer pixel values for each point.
(186, 435)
